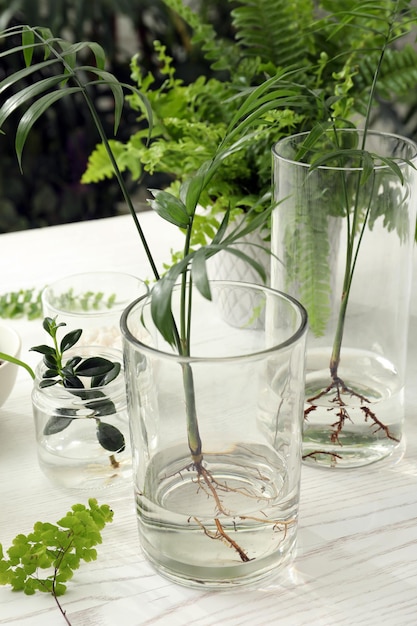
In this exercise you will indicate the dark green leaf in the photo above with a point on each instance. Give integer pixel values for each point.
(190, 190)
(393, 166)
(101, 407)
(222, 228)
(161, 297)
(99, 381)
(56, 424)
(258, 267)
(48, 382)
(72, 382)
(50, 373)
(33, 113)
(49, 324)
(170, 208)
(68, 371)
(50, 361)
(69, 340)
(117, 91)
(199, 273)
(72, 362)
(28, 39)
(26, 94)
(22, 74)
(43, 349)
(110, 437)
(94, 366)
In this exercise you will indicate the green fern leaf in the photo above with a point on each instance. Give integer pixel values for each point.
(307, 253)
(99, 165)
(276, 32)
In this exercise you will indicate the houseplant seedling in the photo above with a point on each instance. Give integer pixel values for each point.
(70, 373)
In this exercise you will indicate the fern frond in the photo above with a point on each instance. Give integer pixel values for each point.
(221, 53)
(398, 72)
(99, 164)
(307, 252)
(276, 32)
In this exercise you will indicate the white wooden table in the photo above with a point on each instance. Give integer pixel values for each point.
(357, 548)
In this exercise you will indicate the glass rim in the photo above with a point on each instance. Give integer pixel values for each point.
(371, 132)
(295, 336)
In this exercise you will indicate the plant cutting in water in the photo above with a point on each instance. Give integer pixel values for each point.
(358, 198)
(45, 559)
(70, 374)
(43, 52)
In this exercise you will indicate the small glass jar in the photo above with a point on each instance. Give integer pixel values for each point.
(82, 435)
(93, 301)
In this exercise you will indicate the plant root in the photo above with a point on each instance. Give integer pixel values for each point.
(209, 485)
(378, 424)
(312, 455)
(114, 462)
(224, 537)
(339, 387)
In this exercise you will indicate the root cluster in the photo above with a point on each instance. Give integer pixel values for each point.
(338, 388)
(214, 489)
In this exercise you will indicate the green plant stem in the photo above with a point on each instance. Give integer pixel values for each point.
(193, 432)
(183, 341)
(12, 359)
(194, 439)
(351, 257)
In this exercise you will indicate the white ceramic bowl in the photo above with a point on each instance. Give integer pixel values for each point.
(10, 343)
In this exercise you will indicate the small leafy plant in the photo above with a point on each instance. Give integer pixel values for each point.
(45, 559)
(70, 373)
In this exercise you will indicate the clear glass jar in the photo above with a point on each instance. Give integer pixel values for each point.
(342, 242)
(82, 435)
(217, 434)
(93, 301)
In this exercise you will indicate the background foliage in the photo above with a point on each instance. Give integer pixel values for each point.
(49, 190)
(232, 42)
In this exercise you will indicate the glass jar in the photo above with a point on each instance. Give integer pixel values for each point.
(217, 434)
(342, 242)
(82, 435)
(93, 301)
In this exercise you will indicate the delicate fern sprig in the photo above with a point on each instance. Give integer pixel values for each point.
(45, 559)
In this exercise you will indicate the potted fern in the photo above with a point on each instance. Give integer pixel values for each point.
(326, 48)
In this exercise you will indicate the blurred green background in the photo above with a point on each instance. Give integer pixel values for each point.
(49, 192)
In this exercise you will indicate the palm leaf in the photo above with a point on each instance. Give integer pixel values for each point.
(33, 113)
(25, 94)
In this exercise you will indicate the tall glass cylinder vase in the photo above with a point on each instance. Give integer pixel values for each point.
(216, 436)
(342, 236)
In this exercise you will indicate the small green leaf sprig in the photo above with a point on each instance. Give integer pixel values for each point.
(28, 302)
(21, 303)
(45, 559)
(69, 373)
